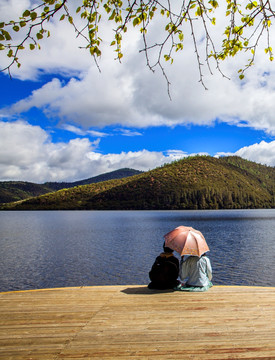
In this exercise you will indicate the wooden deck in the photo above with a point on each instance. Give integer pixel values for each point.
(133, 322)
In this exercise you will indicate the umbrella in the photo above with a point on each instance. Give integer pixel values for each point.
(186, 241)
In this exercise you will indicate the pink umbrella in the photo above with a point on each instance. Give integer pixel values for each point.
(186, 241)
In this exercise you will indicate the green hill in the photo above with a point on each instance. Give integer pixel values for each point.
(19, 190)
(200, 182)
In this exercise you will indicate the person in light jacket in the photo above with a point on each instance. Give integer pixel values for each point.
(197, 272)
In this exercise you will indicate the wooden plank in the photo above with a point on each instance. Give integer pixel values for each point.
(133, 322)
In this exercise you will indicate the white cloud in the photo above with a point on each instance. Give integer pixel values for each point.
(60, 53)
(98, 134)
(119, 95)
(127, 132)
(262, 153)
(81, 132)
(129, 94)
(174, 155)
(74, 129)
(27, 153)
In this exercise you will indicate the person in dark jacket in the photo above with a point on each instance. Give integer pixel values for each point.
(165, 270)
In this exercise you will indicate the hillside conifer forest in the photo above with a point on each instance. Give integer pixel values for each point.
(199, 182)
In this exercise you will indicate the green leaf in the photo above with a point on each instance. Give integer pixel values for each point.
(179, 47)
(136, 21)
(107, 8)
(199, 11)
(7, 35)
(16, 28)
(33, 15)
(94, 50)
(32, 46)
(26, 13)
(214, 3)
(113, 15)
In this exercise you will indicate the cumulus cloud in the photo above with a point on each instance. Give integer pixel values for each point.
(142, 100)
(60, 53)
(129, 94)
(28, 153)
(262, 153)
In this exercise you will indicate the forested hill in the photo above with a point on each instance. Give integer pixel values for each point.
(19, 190)
(200, 182)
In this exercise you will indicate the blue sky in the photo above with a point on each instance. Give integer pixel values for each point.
(63, 120)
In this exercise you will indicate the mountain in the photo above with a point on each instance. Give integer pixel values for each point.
(200, 182)
(117, 174)
(18, 190)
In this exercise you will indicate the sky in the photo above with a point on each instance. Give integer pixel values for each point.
(63, 119)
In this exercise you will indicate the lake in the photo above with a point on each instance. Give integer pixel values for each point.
(45, 249)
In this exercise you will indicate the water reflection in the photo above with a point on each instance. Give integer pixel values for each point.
(55, 249)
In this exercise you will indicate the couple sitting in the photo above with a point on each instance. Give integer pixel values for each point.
(195, 270)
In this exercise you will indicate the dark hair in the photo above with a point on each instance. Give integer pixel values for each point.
(166, 248)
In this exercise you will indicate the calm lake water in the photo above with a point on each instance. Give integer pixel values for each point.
(43, 249)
